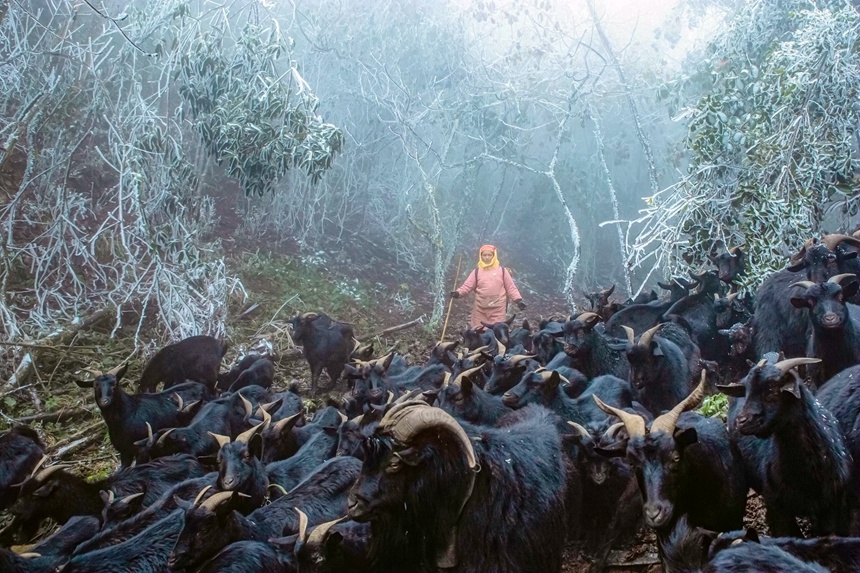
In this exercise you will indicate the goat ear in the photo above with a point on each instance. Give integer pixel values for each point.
(792, 387)
(411, 456)
(750, 534)
(655, 349)
(121, 372)
(733, 390)
(685, 437)
(796, 267)
(800, 302)
(84, 384)
(851, 288)
(181, 503)
(255, 446)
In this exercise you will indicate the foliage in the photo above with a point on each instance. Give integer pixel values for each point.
(257, 118)
(716, 405)
(772, 143)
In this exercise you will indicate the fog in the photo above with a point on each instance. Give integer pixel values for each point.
(594, 142)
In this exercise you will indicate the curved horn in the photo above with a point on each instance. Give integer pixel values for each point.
(787, 365)
(837, 279)
(389, 397)
(216, 500)
(446, 379)
(148, 433)
(804, 284)
(517, 358)
(734, 251)
(666, 422)
(318, 534)
(310, 316)
(280, 424)
(465, 374)
(110, 497)
(631, 336)
(634, 423)
(200, 495)
(612, 430)
(278, 487)
(303, 524)
(39, 465)
(580, 430)
(222, 440)
(161, 438)
(645, 339)
(731, 297)
(248, 434)
(178, 400)
(128, 498)
(249, 408)
(500, 348)
(115, 370)
(587, 315)
(833, 240)
(405, 420)
(46, 473)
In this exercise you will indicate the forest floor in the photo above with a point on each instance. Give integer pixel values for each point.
(370, 294)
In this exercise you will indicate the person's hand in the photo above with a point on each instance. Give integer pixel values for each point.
(454, 294)
(520, 304)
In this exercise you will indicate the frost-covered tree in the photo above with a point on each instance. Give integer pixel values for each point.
(773, 142)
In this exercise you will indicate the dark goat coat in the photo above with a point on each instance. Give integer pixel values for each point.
(513, 519)
(590, 349)
(322, 497)
(837, 554)
(197, 358)
(795, 451)
(20, 451)
(325, 344)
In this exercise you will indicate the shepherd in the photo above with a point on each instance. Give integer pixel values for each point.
(493, 287)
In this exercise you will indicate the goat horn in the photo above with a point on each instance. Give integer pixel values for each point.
(318, 534)
(216, 500)
(446, 379)
(500, 348)
(46, 473)
(587, 315)
(115, 370)
(30, 555)
(309, 316)
(408, 396)
(833, 240)
(787, 365)
(248, 434)
(343, 417)
(839, 278)
(465, 374)
(389, 397)
(631, 336)
(148, 433)
(111, 496)
(731, 297)
(448, 345)
(612, 430)
(645, 339)
(634, 423)
(162, 437)
(407, 419)
(38, 465)
(716, 297)
(179, 400)
(581, 430)
(666, 422)
(804, 284)
(128, 498)
(734, 251)
(278, 487)
(200, 495)
(516, 359)
(280, 424)
(249, 408)
(222, 440)
(303, 525)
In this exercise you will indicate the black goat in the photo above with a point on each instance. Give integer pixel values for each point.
(325, 344)
(197, 358)
(340, 545)
(546, 343)
(467, 401)
(799, 458)
(251, 557)
(730, 265)
(660, 373)
(212, 525)
(681, 455)
(240, 468)
(740, 338)
(260, 373)
(54, 493)
(289, 472)
(433, 495)
(20, 452)
(130, 418)
(590, 349)
(753, 558)
(146, 552)
(506, 371)
(225, 379)
(835, 334)
(837, 554)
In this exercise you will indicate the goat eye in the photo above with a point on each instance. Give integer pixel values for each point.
(676, 457)
(393, 466)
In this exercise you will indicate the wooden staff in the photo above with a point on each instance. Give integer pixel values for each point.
(450, 302)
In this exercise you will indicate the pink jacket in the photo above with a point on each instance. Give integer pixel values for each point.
(492, 288)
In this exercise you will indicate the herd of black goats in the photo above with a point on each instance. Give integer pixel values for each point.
(491, 456)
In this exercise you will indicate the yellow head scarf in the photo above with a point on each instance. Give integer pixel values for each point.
(493, 263)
